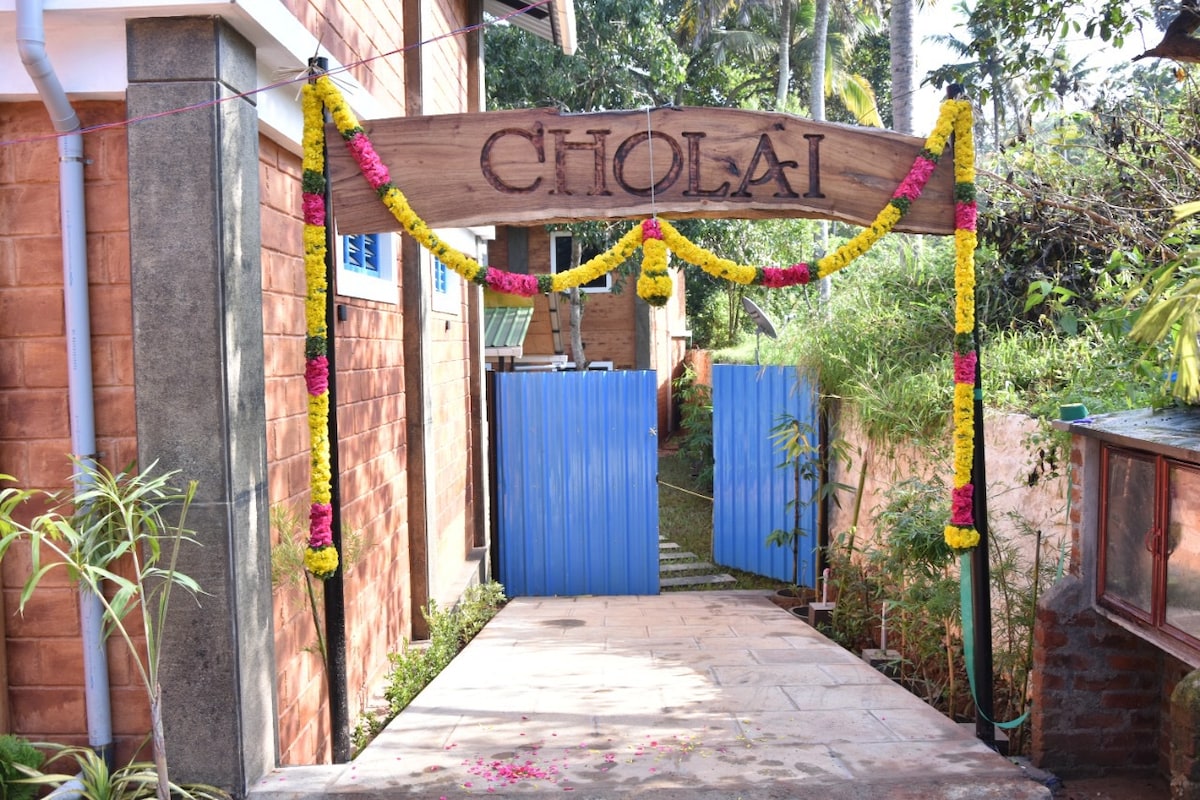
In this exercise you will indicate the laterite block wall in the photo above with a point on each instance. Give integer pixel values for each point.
(44, 663)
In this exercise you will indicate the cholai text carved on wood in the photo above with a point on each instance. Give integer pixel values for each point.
(538, 165)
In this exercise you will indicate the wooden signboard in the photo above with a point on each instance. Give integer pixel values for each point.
(538, 165)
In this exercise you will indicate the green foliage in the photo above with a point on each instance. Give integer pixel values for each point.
(415, 666)
(113, 519)
(625, 59)
(807, 462)
(16, 753)
(913, 517)
(696, 434)
(1169, 322)
(287, 561)
(137, 780)
(1012, 44)
(885, 342)
(913, 572)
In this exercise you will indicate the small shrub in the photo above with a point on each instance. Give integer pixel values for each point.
(696, 426)
(417, 664)
(15, 753)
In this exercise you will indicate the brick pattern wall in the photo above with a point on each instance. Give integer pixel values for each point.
(1098, 690)
(445, 60)
(44, 663)
(44, 657)
(303, 712)
(370, 385)
(448, 449)
(369, 354)
(357, 30)
(1101, 694)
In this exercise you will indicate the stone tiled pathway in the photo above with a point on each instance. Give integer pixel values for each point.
(696, 695)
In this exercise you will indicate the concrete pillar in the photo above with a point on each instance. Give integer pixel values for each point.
(198, 362)
(1185, 738)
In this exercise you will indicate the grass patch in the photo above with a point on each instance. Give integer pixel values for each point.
(686, 519)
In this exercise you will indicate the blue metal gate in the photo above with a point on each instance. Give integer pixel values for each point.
(576, 477)
(750, 488)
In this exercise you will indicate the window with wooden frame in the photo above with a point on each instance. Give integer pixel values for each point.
(560, 261)
(1149, 554)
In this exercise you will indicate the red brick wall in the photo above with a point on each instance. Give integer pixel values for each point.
(370, 384)
(369, 355)
(357, 30)
(44, 656)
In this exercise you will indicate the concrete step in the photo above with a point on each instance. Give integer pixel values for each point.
(688, 567)
(675, 555)
(696, 580)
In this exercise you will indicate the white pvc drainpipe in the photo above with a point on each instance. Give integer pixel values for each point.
(31, 42)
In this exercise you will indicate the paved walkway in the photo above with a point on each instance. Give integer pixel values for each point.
(681, 696)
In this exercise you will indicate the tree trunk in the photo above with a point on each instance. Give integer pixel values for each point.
(816, 94)
(816, 101)
(785, 54)
(577, 354)
(577, 308)
(900, 26)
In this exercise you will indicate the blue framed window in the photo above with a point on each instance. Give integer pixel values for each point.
(361, 253)
(441, 278)
(366, 266)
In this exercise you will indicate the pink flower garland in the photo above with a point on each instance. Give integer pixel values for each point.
(314, 209)
(368, 160)
(965, 216)
(778, 278)
(914, 183)
(962, 505)
(960, 534)
(316, 375)
(964, 367)
(511, 282)
(320, 530)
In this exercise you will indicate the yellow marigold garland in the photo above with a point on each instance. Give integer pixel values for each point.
(657, 237)
(320, 557)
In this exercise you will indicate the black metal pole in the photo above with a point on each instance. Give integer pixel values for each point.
(335, 600)
(981, 581)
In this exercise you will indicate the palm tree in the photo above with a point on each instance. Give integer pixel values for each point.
(984, 76)
(900, 27)
(778, 29)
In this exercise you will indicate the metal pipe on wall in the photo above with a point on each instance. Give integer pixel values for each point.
(31, 43)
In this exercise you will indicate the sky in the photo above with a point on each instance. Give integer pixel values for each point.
(941, 18)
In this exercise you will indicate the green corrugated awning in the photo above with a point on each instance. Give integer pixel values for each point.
(505, 326)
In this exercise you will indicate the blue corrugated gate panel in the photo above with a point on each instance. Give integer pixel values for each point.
(577, 479)
(750, 490)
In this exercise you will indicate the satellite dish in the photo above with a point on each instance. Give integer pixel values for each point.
(765, 326)
(761, 321)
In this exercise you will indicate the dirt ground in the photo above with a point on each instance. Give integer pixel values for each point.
(1114, 788)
